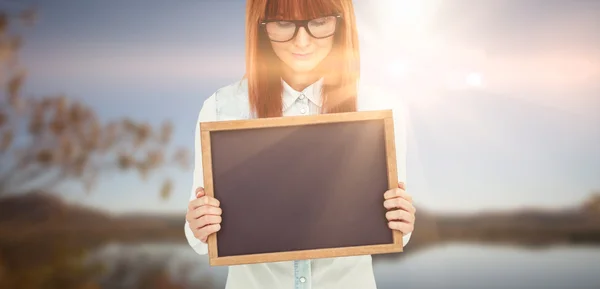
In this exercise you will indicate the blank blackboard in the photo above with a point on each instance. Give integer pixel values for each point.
(300, 187)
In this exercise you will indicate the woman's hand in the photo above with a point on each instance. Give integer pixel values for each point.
(204, 215)
(401, 212)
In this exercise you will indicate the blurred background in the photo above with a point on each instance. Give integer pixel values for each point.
(99, 102)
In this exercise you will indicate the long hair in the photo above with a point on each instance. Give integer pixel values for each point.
(340, 69)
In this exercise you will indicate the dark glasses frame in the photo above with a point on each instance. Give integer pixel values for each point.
(301, 23)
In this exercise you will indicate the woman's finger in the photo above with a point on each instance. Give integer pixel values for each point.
(403, 227)
(399, 203)
(400, 215)
(397, 193)
(203, 210)
(207, 231)
(401, 185)
(392, 193)
(209, 220)
(204, 221)
(205, 200)
(199, 192)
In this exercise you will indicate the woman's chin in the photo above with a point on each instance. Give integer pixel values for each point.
(303, 68)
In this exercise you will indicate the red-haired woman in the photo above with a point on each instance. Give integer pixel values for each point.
(302, 58)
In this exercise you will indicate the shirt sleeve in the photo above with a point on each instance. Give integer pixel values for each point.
(400, 138)
(207, 113)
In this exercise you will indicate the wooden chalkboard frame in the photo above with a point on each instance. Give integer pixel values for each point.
(390, 147)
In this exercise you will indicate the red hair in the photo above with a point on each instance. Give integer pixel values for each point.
(340, 69)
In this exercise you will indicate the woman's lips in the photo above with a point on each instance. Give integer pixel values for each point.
(301, 55)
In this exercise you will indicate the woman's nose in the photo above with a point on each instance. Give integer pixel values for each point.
(302, 38)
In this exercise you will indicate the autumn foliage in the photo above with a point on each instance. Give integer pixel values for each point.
(46, 140)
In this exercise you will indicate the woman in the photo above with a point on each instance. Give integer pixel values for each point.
(297, 68)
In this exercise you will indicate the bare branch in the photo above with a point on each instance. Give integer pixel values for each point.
(47, 139)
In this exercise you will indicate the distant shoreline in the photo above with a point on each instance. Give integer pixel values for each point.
(43, 217)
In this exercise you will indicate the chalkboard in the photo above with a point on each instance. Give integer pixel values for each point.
(300, 187)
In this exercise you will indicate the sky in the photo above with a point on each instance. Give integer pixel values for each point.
(503, 95)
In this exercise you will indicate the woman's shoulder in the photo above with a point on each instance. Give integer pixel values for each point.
(375, 97)
(229, 101)
(234, 90)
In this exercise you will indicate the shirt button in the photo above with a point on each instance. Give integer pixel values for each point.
(302, 111)
(302, 279)
(302, 96)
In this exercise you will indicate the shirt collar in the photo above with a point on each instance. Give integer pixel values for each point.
(312, 92)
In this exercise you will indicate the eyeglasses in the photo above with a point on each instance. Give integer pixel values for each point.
(286, 30)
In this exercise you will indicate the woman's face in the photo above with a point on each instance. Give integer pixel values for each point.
(304, 53)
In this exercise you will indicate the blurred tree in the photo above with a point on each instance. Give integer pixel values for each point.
(592, 204)
(47, 140)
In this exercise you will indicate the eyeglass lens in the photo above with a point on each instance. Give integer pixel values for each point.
(284, 30)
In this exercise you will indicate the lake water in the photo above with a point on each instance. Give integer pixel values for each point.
(451, 266)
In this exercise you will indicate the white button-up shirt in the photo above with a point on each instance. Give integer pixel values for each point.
(230, 103)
